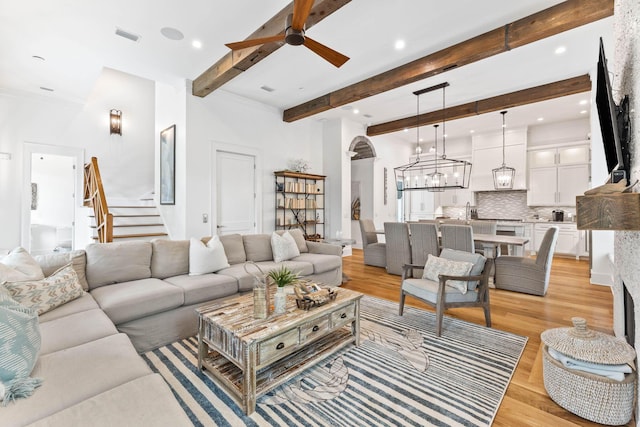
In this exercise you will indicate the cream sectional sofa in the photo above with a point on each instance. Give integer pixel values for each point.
(140, 296)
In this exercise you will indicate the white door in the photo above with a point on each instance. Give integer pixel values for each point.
(52, 203)
(236, 193)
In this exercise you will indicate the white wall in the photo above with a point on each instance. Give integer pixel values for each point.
(559, 132)
(126, 162)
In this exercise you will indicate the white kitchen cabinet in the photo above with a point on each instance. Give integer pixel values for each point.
(487, 155)
(421, 205)
(569, 239)
(558, 175)
(457, 197)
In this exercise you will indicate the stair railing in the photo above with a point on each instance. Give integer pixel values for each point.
(94, 197)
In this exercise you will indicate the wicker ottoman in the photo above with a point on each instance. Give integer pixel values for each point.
(593, 397)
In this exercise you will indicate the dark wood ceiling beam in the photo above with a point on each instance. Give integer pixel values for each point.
(554, 20)
(509, 100)
(235, 62)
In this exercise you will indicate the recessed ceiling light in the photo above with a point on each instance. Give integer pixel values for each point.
(356, 111)
(406, 130)
(399, 44)
(560, 50)
(583, 112)
(37, 57)
(421, 139)
(472, 131)
(172, 33)
(197, 44)
(583, 102)
(540, 119)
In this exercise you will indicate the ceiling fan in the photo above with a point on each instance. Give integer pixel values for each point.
(294, 34)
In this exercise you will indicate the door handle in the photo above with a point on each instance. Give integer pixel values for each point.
(221, 226)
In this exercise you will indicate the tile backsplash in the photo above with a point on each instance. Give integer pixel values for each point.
(506, 205)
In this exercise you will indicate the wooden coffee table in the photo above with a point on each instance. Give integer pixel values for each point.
(251, 356)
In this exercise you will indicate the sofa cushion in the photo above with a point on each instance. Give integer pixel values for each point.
(298, 236)
(19, 265)
(19, 347)
(46, 294)
(50, 263)
(245, 280)
(84, 303)
(258, 247)
(321, 263)
(144, 401)
(301, 268)
(132, 300)
(75, 329)
(205, 287)
(233, 248)
(109, 263)
(75, 374)
(206, 258)
(169, 258)
(283, 246)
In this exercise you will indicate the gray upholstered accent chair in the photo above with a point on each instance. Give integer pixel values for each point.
(458, 237)
(484, 227)
(396, 236)
(442, 296)
(424, 241)
(528, 275)
(375, 253)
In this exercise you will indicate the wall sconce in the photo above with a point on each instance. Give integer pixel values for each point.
(115, 122)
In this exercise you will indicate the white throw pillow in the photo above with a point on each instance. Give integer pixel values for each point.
(207, 258)
(436, 266)
(283, 247)
(19, 266)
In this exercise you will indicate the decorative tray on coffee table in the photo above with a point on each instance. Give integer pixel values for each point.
(310, 295)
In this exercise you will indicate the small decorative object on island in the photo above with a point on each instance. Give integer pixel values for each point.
(589, 373)
(261, 306)
(282, 277)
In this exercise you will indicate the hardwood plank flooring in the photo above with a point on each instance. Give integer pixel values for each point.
(570, 294)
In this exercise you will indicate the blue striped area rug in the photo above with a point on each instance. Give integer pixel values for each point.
(400, 375)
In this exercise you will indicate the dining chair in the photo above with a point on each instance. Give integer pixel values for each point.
(484, 227)
(528, 275)
(396, 236)
(458, 237)
(442, 296)
(424, 241)
(375, 253)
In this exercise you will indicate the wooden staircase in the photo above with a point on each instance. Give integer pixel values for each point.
(128, 222)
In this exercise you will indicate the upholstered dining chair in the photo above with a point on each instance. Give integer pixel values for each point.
(424, 241)
(442, 296)
(528, 275)
(483, 227)
(458, 237)
(396, 236)
(375, 253)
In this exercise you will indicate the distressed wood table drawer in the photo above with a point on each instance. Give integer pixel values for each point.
(313, 329)
(278, 345)
(343, 316)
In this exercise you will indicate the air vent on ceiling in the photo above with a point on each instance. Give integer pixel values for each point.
(127, 35)
(267, 88)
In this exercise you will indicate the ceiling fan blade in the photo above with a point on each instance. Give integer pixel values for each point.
(301, 10)
(336, 58)
(254, 42)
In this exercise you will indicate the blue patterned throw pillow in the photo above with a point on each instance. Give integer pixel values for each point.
(19, 348)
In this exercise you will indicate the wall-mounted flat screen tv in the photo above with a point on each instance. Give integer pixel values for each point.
(614, 123)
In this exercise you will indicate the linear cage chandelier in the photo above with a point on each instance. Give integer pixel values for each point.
(434, 172)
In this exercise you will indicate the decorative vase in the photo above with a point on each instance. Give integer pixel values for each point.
(280, 301)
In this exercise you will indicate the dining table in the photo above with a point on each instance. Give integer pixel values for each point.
(491, 243)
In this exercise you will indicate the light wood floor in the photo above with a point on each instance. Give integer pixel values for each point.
(570, 294)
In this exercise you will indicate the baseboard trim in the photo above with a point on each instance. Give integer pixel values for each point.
(604, 279)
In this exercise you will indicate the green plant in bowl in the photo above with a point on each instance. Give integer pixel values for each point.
(283, 276)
